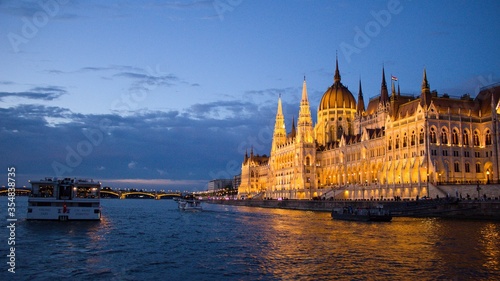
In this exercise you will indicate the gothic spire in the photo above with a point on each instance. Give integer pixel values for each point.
(336, 77)
(304, 122)
(279, 135)
(384, 95)
(425, 96)
(360, 108)
(425, 84)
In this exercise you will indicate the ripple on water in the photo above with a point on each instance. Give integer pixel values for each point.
(151, 239)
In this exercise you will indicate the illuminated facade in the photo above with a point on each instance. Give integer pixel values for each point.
(398, 146)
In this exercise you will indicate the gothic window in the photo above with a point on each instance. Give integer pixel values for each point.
(421, 137)
(444, 136)
(467, 167)
(405, 140)
(413, 138)
(466, 138)
(396, 144)
(476, 138)
(433, 136)
(308, 161)
(488, 137)
(454, 137)
(478, 168)
(389, 146)
(340, 132)
(457, 167)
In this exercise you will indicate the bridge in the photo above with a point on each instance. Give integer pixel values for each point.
(111, 193)
(20, 191)
(123, 194)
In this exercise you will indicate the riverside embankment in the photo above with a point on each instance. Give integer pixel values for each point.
(456, 209)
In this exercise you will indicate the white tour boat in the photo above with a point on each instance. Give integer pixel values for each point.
(64, 199)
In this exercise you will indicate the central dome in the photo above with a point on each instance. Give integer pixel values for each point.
(337, 95)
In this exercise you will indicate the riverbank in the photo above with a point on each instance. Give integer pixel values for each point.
(443, 208)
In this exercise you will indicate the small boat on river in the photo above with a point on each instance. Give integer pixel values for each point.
(361, 214)
(189, 203)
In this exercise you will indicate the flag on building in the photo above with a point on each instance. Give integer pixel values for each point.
(394, 78)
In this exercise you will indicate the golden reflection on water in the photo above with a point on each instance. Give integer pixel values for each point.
(490, 242)
(302, 245)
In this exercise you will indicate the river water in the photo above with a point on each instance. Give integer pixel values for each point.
(144, 239)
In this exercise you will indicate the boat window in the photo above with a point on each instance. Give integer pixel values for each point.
(46, 190)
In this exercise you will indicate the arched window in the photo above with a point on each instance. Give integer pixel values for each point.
(454, 137)
(488, 137)
(405, 140)
(466, 138)
(457, 167)
(413, 138)
(476, 138)
(421, 138)
(308, 161)
(340, 132)
(396, 144)
(444, 136)
(433, 136)
(389, 145)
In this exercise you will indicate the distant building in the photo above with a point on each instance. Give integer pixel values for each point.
(219, 184)
(398, 146)
(236, 181)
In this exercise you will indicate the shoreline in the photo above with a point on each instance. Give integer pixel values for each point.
(442, 208)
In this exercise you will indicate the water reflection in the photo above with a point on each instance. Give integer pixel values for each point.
(310, 246)
(152, 240)
(490, 245)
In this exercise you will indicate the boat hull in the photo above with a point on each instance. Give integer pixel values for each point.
(368, 215)
(58, 211)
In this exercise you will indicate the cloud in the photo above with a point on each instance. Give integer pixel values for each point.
(37, 93)
(149, 80)
(132, 165)
(222, 109)
(28, 9)
(142, 145)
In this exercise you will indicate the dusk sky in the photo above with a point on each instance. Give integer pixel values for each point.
(170, 94)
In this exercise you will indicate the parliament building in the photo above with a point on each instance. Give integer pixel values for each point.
(399, 146)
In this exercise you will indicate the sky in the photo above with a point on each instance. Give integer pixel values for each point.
(172, 94)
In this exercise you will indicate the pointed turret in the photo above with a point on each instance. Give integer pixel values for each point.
(384, 95)
(294, 132)
(304, 123)
(360, 107)
(279, 135)
(425, 84)
(336, 77)
(425, 97)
